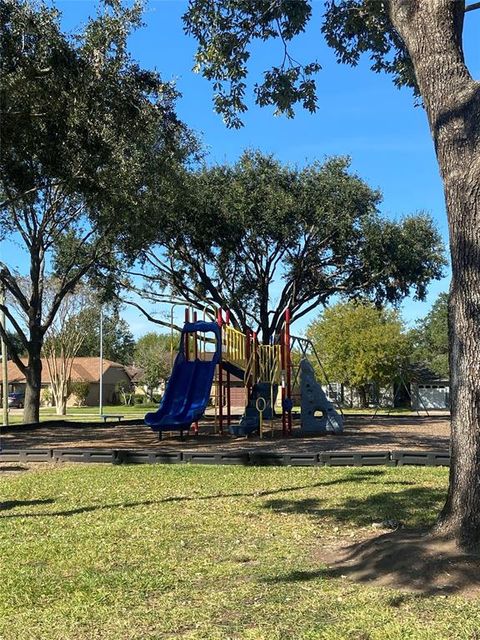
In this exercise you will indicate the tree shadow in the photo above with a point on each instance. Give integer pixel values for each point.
(416, 560)
(406, 560)
(398, 505)
(11, 504)
(351, 478)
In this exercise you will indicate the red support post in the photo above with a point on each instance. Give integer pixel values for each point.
(255, 356)
(248, 351)
(220, 378)
(187, 339)
(229, 407)
(195, 356)
(195, 338)
(284, 380)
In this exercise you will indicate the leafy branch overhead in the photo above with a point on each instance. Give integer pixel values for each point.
(227, 31)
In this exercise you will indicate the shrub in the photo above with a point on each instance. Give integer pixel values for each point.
(46, 397)
(124, 392)
(80, 390)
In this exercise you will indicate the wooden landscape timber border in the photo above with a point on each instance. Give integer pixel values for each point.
(246, 457)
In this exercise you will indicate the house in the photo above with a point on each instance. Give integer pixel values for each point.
(83, 370)
(431, 394)
(135, 374)
(428, 389)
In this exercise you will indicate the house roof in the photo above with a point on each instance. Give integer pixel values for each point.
(83, 370)
(134, 373)
(422, 374)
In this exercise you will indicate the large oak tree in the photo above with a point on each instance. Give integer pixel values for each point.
(90, 143)
(258, 236)
(420, 42)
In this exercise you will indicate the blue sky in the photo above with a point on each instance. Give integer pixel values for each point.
(360, 114)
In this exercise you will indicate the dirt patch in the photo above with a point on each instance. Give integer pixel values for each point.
(384, 433)
(408, 560)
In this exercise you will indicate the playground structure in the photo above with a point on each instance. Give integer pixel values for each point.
(188, 389)
(263, 370)
(313, 399)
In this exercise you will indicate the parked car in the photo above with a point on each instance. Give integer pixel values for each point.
(16, 400)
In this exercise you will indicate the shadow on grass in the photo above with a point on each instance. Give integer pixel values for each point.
(412, 560)
(405, 505)
(11, 504)
(417, 560)
(353, 477)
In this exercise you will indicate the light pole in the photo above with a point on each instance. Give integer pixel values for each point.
(175, 304)
(4, 361)
(101, 364)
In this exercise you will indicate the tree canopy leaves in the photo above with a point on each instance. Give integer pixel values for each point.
(153, 356)
(360, 344)
(257, 236)
(431, 338)
(118, 340)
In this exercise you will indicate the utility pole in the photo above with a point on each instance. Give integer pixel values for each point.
(101, 363)
(4, 362)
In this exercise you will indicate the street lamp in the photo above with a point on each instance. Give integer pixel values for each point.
(4, 360)
(101, 363)
(174, 304)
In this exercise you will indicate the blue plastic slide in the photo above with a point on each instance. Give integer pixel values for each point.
(188, 389)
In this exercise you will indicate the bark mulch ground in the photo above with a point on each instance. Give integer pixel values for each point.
(385, 433)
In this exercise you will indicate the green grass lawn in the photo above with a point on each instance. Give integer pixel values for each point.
(383, 411)
(143, 552)
(86, 413)
(138, 411)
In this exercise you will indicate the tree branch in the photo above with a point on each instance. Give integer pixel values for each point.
(11, 349)
(12, 199)
(472, 7)
(16, 326)
(10, 283)
(66, 287)
(163, 323)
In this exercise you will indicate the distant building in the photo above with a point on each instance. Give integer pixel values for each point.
(428, 390)
(431, 394)
(83, 370)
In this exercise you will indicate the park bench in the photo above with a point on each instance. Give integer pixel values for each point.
(113, 416)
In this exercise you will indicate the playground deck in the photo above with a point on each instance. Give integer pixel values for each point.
(361, 434)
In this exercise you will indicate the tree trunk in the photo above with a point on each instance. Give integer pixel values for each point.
(31, 411)
(432, 32)
(362, 396)
(61, 406)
